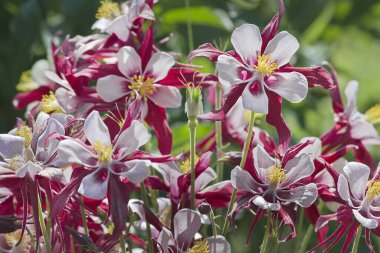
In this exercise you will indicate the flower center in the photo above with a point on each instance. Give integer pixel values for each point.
(373, 189)
(108, 10)
(276, 176)
(143, 85)
(104, 152)
(16, 162)
(265, 65)
(200, 246)
(49, 104)
(185, 166)
(373, 114)
(26, 133)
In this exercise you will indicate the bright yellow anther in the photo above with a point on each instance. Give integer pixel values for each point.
(26, 133)
(373, 114)
(108, 10)
(49, 104)
(200, 246)
(373, 189)
(143, 85)
(26, 82)
(104, 152)
(16, 162)
(276, 175)
(265, 65)
(185, 165)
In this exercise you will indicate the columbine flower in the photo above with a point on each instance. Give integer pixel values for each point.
(144, 82)
(113, 18)
(105, 157)
(34, 78)
(276, 183)
(258, 69)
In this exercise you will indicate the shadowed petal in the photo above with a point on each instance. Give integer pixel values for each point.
(186, 224)
(357, 176)
(95, 129)
(111, 88)
(282, 47)
(11, 146)
(159, 65)
(94, 185)
(297, 169)
(131, 139)
(136, 170)
(218, 244)
(228, 70)
(73, 152)
(304, 195)
(166, 96)
(256, 102)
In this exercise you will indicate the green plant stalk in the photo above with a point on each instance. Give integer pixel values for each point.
(42, 225)
(122, 244)
(242, 164)
(212, 218)
(266, 235)
(300, 228)
(84, 220)
(306, 239)
(193, 122)
(48, 220)
(219, 141)
(357, 239)
(189, 26)
(148, 231)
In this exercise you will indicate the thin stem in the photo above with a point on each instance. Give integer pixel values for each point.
(42, 225)
(122, 244)
(266, 235)
(357, 239)
(189, 27)
(218, 128)
(300, 229)
(193, 122)
(148, 231)
(306, 239)
(242, 164)
(84, 219)
(212, 217)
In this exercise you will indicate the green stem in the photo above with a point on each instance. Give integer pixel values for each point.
(306, 239)
(266, 235)
(84, 219)
(42, 225)
(193, 122)
(122, 244)
(212, 218)
(300, 229)
(189, 28)
(242, 164)
(148, 231)
(357, 239)
(219, 141)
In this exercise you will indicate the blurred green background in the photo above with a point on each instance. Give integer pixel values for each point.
(344, 32)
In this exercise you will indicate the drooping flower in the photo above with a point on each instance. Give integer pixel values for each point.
(105, 157)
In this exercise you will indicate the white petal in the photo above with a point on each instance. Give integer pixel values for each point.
(257, 103)
(29, 168)
(95, 129)
(186, 223)
(262, 203)
(128, 61)
(366, 222)
(132, 138)
(111, 88)
(204, 179)
(119, 26)
(51, 174)
(165, 238)
(297, 169)
(11, 146)
(38, 69)
(55, 78)
(342, 188)
(73, 152)
(304, 195)
(228, 70)
(136, 170)
(362, 130)
(166, 96)
(45, 150)
(292, 86)
(311, 149)
(242, 180)
(101, 24)
(67, 100)
(282, 47)
(262, 159)
(93, 186)
(352, 96)
(218, 244)
(357, 176)
(159, 65)
(247, 41)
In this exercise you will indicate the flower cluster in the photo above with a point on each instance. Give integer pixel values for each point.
(91, 169)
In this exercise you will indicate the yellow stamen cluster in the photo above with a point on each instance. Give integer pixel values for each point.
(144, 86)
(26, 82)
(108, 10)
(265, 65)
(16, 162)
(11, 239)
(373, 189)
(276, 175)
(104, 152)
(373, 114)
(185, 165)
(26, 133)
(200, 246)
(49, 104)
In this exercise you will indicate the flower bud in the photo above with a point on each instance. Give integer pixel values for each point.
(193, 106)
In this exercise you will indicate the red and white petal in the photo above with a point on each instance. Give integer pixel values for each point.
(351, 92)
(30, 168)
(282, 47)
(304, 195)
(73, 152)
(119, 26)
(204, 179)
(111, 88)
(257, 102)
(159, 65)
(247, 41)
(128, 61)
(136, 170)
(228, 70)
(95, 129)
(262, 203)
(242, 180)
(94, 185)
(166, 96)
(366, 222)
(298, 168)
(292, 86)
(186, 224)
(262, 159)
(10, 146)
(131, 138)
(357, 176)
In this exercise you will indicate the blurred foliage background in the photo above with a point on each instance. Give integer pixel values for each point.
(344, 32)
